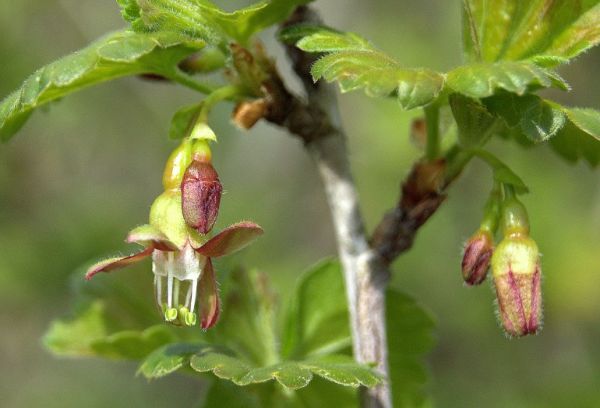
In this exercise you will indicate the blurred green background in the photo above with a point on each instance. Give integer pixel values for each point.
(74, 181)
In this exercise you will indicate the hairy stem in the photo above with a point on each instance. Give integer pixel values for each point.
(365, 275)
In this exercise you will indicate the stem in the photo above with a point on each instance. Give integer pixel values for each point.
(228, 92)
(365, 275)
(432, 119)
(176, 75)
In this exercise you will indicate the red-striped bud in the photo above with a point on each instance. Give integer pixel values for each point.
(476, 258)
(200, 195)
(517, 274)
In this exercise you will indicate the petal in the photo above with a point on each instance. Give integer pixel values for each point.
(208, 297)
(117, 262)
(231, 239)
(147, 235)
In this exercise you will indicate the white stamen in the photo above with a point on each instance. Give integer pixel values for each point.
(170, 280)
(158, 286)
(194, 286)
(188, 296)
(176, 293)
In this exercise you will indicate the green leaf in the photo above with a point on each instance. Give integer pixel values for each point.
(291, 374)
(183, 17)
(580, 137)
(75, 336)
(247, 324)
(315, 38)
(204, 20)
(535, 118)
(475, 124)
(168, 359)
(517, 30)
(484, 79)
(183, 120)
(87, 335)
(379, 75)
(242, 24)
(317, 318)
(410, 337)
(355, 64)
(587, 120)
(115, 55)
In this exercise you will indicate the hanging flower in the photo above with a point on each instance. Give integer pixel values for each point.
(184, 279)
(180, 218)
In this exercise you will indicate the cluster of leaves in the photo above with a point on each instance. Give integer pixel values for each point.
(248, 347)
(511, 49)
(162, 34)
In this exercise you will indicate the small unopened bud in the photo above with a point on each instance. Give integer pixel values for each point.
(517, 274)
(247, 113)
(476, 258)
(517, 277)
(200, 195)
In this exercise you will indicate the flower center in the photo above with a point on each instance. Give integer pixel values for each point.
(179, 272)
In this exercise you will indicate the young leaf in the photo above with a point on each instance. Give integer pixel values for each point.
(410, 337)
(291, 374)
(87, 335)
(182, 121)
(484, 79)
(533, 117)
(168, 359)
(516, 30)
(475, 124)
(115, 55)
(355, 64)
(317, 318)
(580, 137)
(247, 324)
(204, 20)
(242, 24)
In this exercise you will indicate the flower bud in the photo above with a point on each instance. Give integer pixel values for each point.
(176, 165)
(476, 258)
(517, 277)
(201, 195)
(517, 274)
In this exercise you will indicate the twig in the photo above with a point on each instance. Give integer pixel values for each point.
(365, 275)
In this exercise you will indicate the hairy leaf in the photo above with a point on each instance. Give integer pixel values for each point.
(242, 24)
(484, 79)
(517, 30)
(204, 20)
(410, 337)
(475, 124)
(247, 324)
(317, 318)
(529, 113)
(355, 64)
(87, 335)
(169, 359)
(379, 75)
(183, 120)
(291, 374)
(580, 137)
(115, 55)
